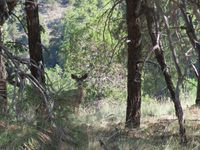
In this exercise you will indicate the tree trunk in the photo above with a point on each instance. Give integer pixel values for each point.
(36, 56)
(34, 40)
(6, 7)
(134, 56)
(175, 59)
(153, 26)
(3, 88)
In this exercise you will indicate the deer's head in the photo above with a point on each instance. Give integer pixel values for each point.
(79, 80)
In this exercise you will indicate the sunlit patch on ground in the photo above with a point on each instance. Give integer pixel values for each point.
(159, 128)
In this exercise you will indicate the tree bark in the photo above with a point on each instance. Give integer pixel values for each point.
(153, 26)
(134, 56)
(3, 87)
(34, 40)
(175, 59)
(36, 57)
(6, 7)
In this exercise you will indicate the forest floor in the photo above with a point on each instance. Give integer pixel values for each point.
(96, 128)
(155, 133)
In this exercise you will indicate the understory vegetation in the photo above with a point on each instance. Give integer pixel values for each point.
(100, 122)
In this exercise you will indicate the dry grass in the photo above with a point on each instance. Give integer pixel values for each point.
(101, 126)
(159, 127)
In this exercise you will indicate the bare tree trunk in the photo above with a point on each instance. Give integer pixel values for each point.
(6, 7)
(134, 56)
(3, 87)
(36, 56)
(175, 59)
(153, 26)
(34, 40)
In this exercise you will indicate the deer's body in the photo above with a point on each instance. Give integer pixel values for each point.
(72, 98)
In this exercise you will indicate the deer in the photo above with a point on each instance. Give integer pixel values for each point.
(72, 98)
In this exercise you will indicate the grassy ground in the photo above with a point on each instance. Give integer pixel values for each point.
(100, 126)
(159, 127)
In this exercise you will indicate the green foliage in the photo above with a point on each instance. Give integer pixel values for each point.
(83, 40)
(89, 44)
(153, 83)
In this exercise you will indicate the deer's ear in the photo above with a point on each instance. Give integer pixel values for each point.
(84, 76)
(74, 76)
